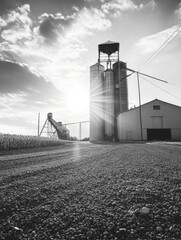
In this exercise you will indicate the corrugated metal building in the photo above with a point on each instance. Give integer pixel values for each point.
(159, 120)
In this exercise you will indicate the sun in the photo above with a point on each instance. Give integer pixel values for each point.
(78, 100)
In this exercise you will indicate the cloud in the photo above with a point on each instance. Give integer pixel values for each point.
(53, 47)
(24, 93)
(20, 15)
(17, 114)
(116, 7)
(16, 24)
(54, 29)
(178, 11)
(9, 100)
(52, 25)
(151, 4)
(7, 5)
(2, 22)
(87, 21)
(70, 28)
(151, 43)
(16, 33)
(51, 44)
(19, 79)
(94, 19)
(53, 39)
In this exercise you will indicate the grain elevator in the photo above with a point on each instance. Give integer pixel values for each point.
(108, 92)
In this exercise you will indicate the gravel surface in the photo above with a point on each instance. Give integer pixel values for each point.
(89, 191)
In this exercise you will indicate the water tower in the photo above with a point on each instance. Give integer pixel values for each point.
(108, 94)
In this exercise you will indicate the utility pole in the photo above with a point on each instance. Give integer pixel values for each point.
(139, 93)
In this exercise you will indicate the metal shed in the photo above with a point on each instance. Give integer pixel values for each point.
(160, 121)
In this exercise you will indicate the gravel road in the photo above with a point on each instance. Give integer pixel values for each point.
(92, 191)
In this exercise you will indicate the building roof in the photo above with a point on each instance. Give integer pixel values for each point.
(162, 102)
(149, 103)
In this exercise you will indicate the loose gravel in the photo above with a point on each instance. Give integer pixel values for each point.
(89, 191)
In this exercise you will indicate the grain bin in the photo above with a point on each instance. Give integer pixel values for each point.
(96, 103)
(121, 81)
(109, 104)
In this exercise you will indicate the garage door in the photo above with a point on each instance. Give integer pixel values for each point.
(159, 134)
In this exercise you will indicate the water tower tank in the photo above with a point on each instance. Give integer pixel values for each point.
(96, 103)
(109, 47)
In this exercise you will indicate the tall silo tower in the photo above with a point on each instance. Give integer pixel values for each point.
(108, 95)
(109, 53)
(121, 90)
(96, 103)
(109, 115)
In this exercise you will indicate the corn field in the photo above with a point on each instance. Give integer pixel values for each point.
(9, 141)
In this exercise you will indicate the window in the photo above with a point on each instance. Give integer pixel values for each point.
(156, 107)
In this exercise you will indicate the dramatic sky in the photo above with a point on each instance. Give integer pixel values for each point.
(47, 46)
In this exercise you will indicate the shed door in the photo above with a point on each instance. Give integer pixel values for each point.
(159, 134)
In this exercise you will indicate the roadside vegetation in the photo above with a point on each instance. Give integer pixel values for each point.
(12, 141)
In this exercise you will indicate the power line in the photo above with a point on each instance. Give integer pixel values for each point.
(163, 46)
(161, 88)
(166, 43)
(138, 72)
(175, 85)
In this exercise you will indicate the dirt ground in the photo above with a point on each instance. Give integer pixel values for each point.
(91, 191)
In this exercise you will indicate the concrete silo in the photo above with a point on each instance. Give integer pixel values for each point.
(108, 92)
(96, 103)
(109, 115)
(121, 87)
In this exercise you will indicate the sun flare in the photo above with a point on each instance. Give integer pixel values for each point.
(78, 100)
